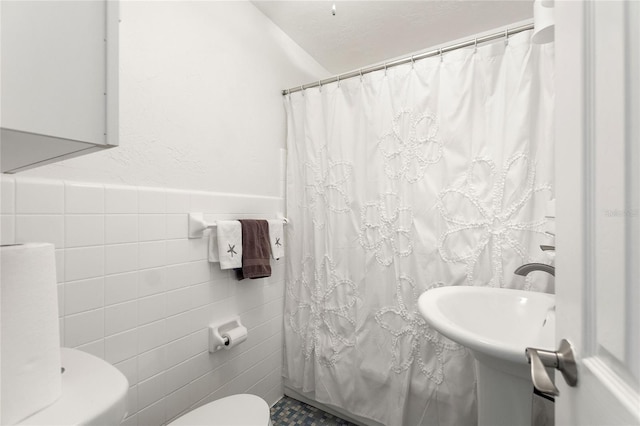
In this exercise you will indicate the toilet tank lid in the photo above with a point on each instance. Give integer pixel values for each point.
(234, 410)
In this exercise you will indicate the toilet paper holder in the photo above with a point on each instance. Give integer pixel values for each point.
(218, 338)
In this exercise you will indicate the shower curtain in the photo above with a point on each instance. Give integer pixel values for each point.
(434, 173)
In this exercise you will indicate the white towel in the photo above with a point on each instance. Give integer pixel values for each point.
(276, 238)
(550, 227)
(229, 244)
(551, 208)
(213, 246)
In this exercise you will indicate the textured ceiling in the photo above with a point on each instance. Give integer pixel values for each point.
(367, 32)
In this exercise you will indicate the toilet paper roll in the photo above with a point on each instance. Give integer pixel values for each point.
(235, 336)
(29, 334)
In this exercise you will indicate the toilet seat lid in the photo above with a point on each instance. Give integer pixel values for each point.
(234, 410)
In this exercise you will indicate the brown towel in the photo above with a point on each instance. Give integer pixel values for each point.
(256, 250)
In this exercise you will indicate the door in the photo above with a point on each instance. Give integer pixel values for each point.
(598, 208)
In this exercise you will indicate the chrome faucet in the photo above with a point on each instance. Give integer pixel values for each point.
(526, 269)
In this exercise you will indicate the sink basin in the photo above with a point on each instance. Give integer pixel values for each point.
(497, 322)
(497, 325)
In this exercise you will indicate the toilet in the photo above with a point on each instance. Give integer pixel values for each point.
(93, 393)
(234, 410)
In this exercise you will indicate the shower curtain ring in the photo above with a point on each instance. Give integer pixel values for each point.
(412, 62)
(302, 90)
(338, 77)
(440, 54)
(475, 45)
(385, 69)
(360, 75)
(319, 85)
(506, 37)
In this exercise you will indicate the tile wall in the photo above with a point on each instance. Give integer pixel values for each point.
(134, 290)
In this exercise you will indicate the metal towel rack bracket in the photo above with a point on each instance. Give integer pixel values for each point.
(197, 224)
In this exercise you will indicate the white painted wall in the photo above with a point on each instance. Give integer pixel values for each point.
(200, 103)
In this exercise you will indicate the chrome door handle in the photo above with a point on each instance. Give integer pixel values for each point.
(563, 359)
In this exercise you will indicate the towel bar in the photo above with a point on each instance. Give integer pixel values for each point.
(197, 224)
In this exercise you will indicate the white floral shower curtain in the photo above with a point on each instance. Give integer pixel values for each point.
(430, 174)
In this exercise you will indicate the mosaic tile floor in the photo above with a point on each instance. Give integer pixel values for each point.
(290, 412)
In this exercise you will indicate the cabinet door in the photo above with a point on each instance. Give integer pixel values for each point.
(54, 68)
(59, 79)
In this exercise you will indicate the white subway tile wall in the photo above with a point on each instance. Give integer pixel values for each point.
(134, 290)
(7, 195)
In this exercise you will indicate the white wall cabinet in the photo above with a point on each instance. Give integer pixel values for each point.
(58, 81)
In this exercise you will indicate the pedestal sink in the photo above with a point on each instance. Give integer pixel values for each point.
(497, 325)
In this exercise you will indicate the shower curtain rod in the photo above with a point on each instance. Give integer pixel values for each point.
(358, 73)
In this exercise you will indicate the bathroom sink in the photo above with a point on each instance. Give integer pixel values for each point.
(497, 322)
(497, 325)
